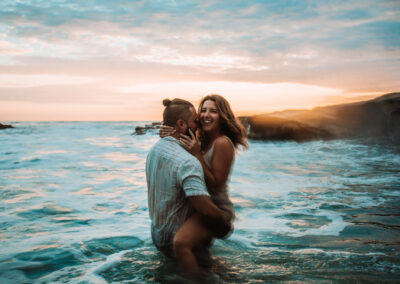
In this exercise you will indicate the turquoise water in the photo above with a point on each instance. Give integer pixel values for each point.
(74, 209)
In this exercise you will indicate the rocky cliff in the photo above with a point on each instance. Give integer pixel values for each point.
(379, 117)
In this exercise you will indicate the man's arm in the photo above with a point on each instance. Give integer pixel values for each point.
(212, 215)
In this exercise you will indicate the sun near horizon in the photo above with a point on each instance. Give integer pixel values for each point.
(103, 61)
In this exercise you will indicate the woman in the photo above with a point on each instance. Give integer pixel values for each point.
(221, 133)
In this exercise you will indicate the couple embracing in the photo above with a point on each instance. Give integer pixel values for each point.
(187, 171)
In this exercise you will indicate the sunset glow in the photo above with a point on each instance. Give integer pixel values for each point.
(117, 60)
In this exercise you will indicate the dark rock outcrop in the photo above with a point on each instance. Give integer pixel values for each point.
(140, 130)
(379, 117)
(274, 128)
(4, 126)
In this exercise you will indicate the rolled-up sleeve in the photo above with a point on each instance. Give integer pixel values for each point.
(190, 175)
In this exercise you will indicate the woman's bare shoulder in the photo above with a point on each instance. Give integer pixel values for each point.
(223, 142)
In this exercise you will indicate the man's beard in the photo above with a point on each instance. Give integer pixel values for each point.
(187, 133)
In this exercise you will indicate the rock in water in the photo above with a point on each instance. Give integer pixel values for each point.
(4, 126)
(140, 130)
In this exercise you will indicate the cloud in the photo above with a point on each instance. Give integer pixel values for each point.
(229, 26)
(371, 70)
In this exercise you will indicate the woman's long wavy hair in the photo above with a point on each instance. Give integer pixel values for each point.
(230, 125)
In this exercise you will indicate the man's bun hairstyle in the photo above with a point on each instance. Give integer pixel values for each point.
(166, 102)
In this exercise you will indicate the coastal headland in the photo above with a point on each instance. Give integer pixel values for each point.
(379, 117)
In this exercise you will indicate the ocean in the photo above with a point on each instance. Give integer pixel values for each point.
(74, 209)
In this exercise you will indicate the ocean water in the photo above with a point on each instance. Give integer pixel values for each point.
(74, 210)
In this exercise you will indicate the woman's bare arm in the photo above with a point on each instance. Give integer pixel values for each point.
(221, 161)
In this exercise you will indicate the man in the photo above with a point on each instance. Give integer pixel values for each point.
(176, 188)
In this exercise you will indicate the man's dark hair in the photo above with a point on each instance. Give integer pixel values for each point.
(176, 109)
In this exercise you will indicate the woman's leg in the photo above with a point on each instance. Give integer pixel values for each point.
(190, 235)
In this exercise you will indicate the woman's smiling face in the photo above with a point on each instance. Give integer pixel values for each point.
(209, 116)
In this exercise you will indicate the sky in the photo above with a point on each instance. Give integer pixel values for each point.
(116, 60)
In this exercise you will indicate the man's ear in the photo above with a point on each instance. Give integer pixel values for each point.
(181, 124)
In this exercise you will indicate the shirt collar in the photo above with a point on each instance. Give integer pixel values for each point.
(172, 139)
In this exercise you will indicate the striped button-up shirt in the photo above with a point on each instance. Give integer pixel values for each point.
(172, 175)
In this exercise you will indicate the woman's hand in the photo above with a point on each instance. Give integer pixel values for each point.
(191, 144)
(166, 131)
